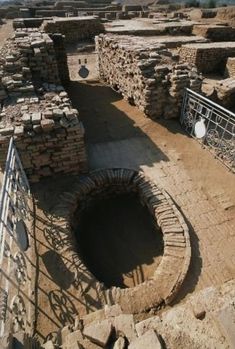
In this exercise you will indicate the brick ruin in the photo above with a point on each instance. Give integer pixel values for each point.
(208, 57)
(146, 73)
(177, 250)
(150, 65)
(214, 32)
(74, 29)
(36, 109)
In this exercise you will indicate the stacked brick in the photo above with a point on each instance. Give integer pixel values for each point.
(215, 32)
(29, 57)
(75, 28)
(208, 57)
(37, 111)
(146, 75)
(230, 67)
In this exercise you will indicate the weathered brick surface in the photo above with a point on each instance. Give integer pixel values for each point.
(36, 110)
(146, 74)
(74, 28)
(215, 32)
(208, 57)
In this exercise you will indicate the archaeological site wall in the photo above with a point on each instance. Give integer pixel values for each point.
(146, 73)
(74, 28)
(27, 22)
(36, 110)
(215, 32)
(208, 57)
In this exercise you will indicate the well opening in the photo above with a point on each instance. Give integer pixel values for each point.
(112, 225)
(118, 239)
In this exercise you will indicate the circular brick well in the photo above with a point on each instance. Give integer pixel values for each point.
(161, 217)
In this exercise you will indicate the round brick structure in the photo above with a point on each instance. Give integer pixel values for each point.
(169, 275)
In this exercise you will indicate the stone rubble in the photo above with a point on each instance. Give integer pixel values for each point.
(225, 92)
(99, 332)
(176, 328)
(215, 32)
(148, 340)
(147, 75)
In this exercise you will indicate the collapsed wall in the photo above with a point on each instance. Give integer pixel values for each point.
(35, 109)
(146, 73)
(74, 28)
(208, 57)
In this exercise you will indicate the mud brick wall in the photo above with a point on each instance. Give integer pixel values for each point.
(49, 141)
(35, 108)
(215, 32)
(74, 4)
(27, 22)
(61, 57)
(230, 67)
(208, 57)
(75, 28)
(50, 13)
(145, 73)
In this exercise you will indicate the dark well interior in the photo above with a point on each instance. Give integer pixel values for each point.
(118, 240)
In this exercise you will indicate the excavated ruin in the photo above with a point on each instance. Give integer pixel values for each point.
(166, 280)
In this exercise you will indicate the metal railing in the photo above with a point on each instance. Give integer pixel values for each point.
(14, 196)
(211, 124)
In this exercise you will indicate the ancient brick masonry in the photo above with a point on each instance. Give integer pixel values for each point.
(35, 108)
(215, 32)
(208, 57)
(75, 28)
(146, 73)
